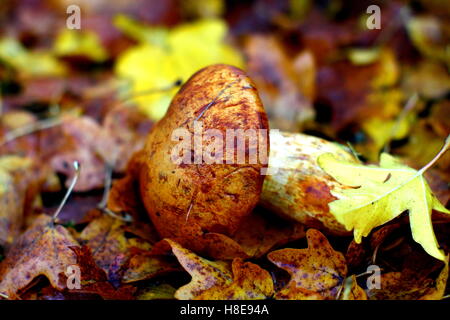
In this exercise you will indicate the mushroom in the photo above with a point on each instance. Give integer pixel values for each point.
(192, 184)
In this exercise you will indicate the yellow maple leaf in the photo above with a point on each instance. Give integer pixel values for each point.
(217, 280)
(317, 272)
(378, 194)
(164, 56)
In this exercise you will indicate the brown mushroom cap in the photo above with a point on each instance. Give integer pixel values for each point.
(187, 200)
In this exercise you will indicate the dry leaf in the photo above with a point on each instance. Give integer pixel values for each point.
(317, 272)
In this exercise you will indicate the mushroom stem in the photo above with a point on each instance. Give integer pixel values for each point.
(296, 187)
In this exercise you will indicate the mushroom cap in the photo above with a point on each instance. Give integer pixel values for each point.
(185, 200)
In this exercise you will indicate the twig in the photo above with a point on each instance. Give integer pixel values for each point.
(175, 84)
(107, 187)
(102, 206)
(410, 104)
(444, 149)
(31, 128)
(4, 296)
(76, 166)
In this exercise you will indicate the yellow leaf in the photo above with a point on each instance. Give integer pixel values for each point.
(164, 56)
(317, 273)
(74, 42)
(31, 63)
(215, 280)
(363, 56)
(378, 194)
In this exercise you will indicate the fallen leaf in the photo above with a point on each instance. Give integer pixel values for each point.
(286, 87)
(44, 249)
(110, 244)
(381, 193)
(29, 63)
(170, 55)
(352, 291)
(94, 280)
(75, 43)
(407, 286)
(142, 265)
(157, 292)
(205, 274)
(215, 281)
(317, 272)
(13, 185)
(250, 282)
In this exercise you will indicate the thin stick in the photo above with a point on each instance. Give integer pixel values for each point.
(4, 296)
(107, 187)
(393, 26)
(410, 104)
(31, 128)
(436, 157)
(176, 83)
(76, 166)
(102, 206)
(126, 217)
(353, 151)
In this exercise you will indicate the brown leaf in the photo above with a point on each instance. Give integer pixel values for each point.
(287, 87)
(205, 274)
(128, 128)
(110, 244)
(250, 282)
(44, 249)
(143, 266)
(408, 286)
(13, 186)
(317, 272)
(352, 291)
(94, 280)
